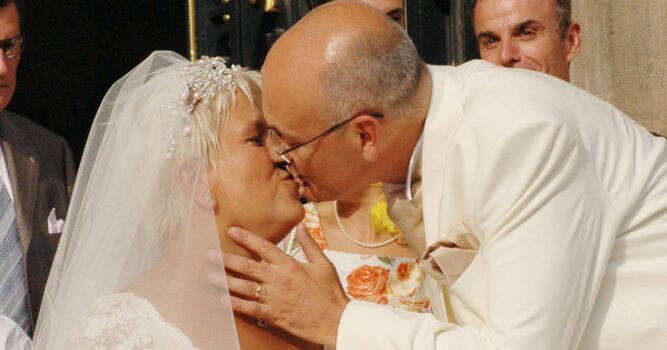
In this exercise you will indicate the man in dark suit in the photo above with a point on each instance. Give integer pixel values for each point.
(37, 169)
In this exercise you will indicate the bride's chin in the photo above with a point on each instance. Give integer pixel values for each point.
(291, 215)
(292, 188)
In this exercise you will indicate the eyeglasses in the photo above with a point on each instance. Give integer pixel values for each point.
(282, 148)
(11, 47)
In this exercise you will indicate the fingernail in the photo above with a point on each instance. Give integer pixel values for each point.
(234, 232)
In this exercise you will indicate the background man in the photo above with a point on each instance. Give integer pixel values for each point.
(566, 212)
(37, 173)
(532, 34)
(395, 9)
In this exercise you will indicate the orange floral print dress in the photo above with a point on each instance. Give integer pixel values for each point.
(394, 281)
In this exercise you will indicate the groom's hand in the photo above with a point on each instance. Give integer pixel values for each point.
(305, 299)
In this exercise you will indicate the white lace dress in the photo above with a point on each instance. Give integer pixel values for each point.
(126, 322)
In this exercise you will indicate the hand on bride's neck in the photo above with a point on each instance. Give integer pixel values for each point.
(229, 246)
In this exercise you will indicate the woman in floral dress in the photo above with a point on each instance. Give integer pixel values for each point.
(382, 269)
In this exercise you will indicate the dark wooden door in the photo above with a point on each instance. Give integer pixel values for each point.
(245, 30)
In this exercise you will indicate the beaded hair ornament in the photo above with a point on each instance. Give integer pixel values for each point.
(205, 78)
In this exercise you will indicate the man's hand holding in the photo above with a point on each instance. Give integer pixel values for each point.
(305, 299)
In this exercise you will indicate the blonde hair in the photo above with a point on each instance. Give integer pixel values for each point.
(203, 143)
(208, 118)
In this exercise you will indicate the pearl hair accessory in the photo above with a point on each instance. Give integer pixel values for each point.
(205, 78)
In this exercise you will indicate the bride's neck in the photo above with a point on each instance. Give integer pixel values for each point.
(231, 247)
(227, 245)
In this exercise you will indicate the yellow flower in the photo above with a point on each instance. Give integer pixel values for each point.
(380, 220)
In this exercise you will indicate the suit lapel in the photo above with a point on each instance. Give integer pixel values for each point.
(442, 123)
(23, 172)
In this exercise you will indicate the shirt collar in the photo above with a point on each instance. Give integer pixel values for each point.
(414, 161)
(416, 153)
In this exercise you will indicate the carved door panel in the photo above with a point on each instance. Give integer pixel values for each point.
(244, 30)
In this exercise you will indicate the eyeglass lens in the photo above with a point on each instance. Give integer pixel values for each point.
(11, 47)
(277, 142)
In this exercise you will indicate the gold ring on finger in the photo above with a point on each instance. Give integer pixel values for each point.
(258, 292)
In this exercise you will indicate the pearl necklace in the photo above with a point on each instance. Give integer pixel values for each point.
(359, 243)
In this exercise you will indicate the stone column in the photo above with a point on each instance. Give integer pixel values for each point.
(624, 56)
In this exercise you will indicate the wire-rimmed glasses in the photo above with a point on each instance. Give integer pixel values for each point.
(282, 148)
(11, 47)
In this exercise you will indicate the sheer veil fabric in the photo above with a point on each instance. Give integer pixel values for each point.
(139, 226)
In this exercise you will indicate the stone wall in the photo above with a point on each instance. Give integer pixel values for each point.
(624, 56)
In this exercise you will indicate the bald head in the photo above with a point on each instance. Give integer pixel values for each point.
(346, 57)
(330, 28)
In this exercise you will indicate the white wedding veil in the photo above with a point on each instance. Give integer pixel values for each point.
(140, 222)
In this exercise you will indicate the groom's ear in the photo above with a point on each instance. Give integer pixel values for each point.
(191, 177)
(368, 130)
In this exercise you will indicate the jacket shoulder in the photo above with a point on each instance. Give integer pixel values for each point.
(32, 129)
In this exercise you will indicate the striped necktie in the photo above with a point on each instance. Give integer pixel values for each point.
(13, 289)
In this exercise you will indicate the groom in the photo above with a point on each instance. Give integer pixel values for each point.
(565, 197)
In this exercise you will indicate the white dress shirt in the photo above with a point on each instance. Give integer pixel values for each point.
(12, 337)
(4, 173)
(568, 200)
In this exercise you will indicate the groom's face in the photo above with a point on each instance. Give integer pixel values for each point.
(324, 167)
(328, 167)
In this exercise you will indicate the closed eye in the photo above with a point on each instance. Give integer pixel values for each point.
(258, 140)
(396, 15)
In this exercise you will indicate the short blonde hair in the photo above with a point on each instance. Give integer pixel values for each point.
(208, 118)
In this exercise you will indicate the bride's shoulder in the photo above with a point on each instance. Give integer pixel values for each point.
(115, 321)
(120, 309)
(118, 301)
(124, 303)
(122, 321)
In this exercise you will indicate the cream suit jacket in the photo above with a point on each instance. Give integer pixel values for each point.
(567, 197)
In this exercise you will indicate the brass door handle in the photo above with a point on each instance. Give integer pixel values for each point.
(270, 6)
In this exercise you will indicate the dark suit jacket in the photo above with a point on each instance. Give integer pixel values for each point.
(41, 172)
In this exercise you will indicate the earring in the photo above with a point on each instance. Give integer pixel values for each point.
(209, 197)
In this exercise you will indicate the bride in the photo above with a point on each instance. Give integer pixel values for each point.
(174, 157)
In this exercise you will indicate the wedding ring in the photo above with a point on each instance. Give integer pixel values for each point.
(258, 296)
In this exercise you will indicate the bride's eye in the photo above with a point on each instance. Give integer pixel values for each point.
(257, 140)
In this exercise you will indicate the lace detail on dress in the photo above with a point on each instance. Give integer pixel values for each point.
(125, 322)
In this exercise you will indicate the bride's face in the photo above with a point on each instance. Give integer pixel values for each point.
(249, 190)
